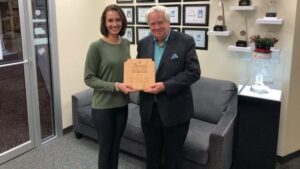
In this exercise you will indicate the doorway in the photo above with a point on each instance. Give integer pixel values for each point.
(27, 104)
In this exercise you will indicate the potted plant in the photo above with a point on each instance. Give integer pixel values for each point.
(263, 44)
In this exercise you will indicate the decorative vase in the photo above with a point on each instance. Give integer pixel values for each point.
(263, 48)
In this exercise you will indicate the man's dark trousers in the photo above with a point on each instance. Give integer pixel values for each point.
(170, 138)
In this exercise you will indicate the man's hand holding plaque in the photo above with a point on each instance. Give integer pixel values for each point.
(139, 73)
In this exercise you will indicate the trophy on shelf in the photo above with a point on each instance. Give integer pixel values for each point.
(261, 78)
(259, 86)
(243, 33)
(244, 2)
(271, 12)
(220, 18)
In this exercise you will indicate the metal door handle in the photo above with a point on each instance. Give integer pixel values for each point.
(13, 64)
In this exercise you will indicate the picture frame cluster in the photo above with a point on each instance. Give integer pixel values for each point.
(190, 18)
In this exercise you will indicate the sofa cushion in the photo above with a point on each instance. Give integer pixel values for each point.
(211, 98)
(85, 115)
(196, 144)
(133, 129)
(134, 97)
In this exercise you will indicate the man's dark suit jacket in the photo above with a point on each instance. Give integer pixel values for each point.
(178, 69)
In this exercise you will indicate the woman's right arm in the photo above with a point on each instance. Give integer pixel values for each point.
(91, 78)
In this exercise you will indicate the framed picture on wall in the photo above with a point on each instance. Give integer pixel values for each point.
(175, 14)
(146, 1)
(196, 14)
(129, 13)
(124, 1)
(141, 14)
(142, 32)
(199, 35)
(193, 0)
(129, 34)
(165, 1)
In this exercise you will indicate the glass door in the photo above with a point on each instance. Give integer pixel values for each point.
(16, 82)
(29, 104)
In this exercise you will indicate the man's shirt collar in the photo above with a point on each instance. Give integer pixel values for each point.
(165, 40)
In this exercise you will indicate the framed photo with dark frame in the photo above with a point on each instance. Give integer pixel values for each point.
(193, 0)
(166, 1)
(141, 14)
(175, 29)
(196, 14)
(129, 34)
(124, 1)
(199, 35)
(142, 32)
(146, 1)
(129, 13)
(175, 14)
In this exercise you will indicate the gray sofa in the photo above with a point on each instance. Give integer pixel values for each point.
(210, 138)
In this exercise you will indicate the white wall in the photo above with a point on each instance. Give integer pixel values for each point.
(289, 138)
(74, 36)
(77, 26)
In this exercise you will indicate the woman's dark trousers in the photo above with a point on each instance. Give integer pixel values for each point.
(110, 125)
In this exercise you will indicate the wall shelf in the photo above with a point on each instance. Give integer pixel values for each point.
(239, 49)
(248, 49)
(219, 33)
(243, 8)
(269, 20)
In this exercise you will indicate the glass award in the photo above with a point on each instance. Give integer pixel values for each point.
(242, 42)
(259, 86)
(262, 77)
(243, 39)
(271, 12)
(220, 21)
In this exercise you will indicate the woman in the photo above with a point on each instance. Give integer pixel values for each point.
(103, 72)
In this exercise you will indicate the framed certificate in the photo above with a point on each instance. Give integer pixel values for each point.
(142, 32)
(165, 1)
(196, 14)
(175, 14)
(199, 35)
(141, 14)
(124, 1)
(193, 0)
(145, 1)
(129, 34)
(129, 13)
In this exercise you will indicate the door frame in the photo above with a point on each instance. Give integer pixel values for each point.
(55, 67)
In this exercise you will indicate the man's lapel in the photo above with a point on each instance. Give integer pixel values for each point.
(151, 48)
(168, 50)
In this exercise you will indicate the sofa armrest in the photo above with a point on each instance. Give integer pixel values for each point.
(221, 141)
(79, 100)
(82, 98)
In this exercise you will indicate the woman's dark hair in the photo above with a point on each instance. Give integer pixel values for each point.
(116, 8)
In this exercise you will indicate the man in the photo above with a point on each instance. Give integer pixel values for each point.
(167, 106)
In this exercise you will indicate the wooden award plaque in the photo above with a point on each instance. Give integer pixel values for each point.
(139, 73)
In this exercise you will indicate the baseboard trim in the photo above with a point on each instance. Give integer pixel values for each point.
(67, 129)
(288, 157)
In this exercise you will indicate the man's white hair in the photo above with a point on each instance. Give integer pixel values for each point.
(158, 8)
